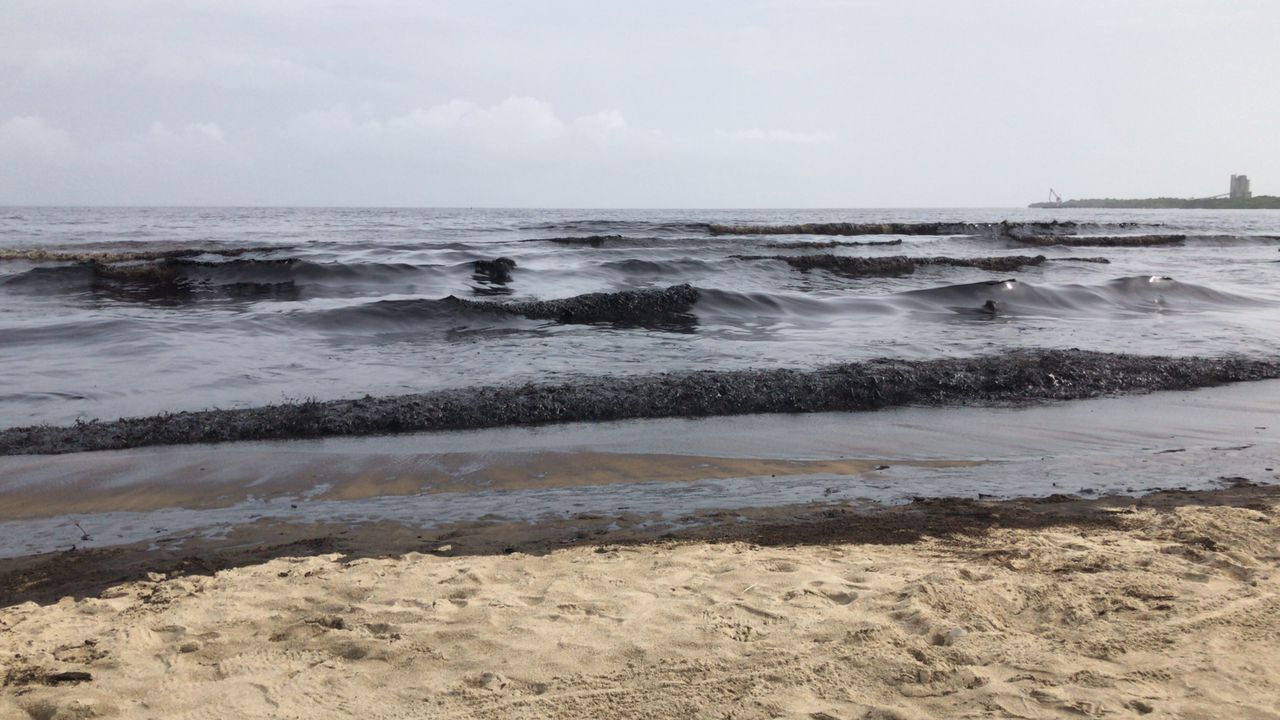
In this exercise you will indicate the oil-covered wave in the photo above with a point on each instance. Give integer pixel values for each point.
(1141, 294)
(1132, 295)
(618, 241)
(680, 307)
(1101, 240)
(896, 265)
(668, 308)
(186, 279)
(117, 253)
(1020, 377)
(609, 227)
(998, 229)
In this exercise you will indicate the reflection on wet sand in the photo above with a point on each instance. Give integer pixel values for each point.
(120, 484)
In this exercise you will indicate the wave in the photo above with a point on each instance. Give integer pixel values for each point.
(1019, 377)
(107, 256)
(388, 315)
(896, 265)
(998, 229)
(674, 266)
(180, 278)
(601, 227)
(1101, 240)
(830, 243)
(650, 307)
(845, 228)
(683, 307)
(721, 305)
(496, 271)
(294, 270)
(1141, 294)
(1229, 240)
(625, 241)
(665, 308)
(72, 333)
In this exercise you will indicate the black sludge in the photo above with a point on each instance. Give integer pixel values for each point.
(1014, 377)
(895, 265)
(831, 243)
(177, 280)
(665, 307)
(1003, 228)
(117, 256)
(594, 241)
(149, 282)
(492, 276)
(852, 229)
(1101, 240)
(497, 270)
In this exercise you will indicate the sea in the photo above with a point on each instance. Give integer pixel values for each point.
(110, 313)
(119, 312)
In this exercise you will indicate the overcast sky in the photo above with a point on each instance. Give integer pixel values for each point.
(720, 103)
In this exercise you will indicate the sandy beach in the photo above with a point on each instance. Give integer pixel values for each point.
(1162, 606)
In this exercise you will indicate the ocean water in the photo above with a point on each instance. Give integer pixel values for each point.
(116, 312)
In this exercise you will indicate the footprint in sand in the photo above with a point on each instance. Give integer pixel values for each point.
(462, 596)
(818, 588)
(350, 650)
(84, 653)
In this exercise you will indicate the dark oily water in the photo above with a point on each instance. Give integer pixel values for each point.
(107, 313)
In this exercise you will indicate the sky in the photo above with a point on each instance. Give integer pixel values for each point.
(653, 103)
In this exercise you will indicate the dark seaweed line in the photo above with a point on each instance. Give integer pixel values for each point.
(889, 265)
(1001, 229)
(1018, 377)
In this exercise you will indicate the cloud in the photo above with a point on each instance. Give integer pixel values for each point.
(514, 123)
(517, 151)
(44, 164)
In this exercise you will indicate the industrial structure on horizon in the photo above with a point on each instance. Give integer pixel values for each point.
(1240, 197)
(1240, 188)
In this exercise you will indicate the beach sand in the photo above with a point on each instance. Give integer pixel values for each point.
(1163, 606)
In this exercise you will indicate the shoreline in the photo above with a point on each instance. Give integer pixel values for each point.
(82, 572)
(1042, 607)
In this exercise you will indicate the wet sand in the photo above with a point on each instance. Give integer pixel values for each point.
(1162, 606)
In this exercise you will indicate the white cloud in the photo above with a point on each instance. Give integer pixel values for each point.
(191, 134)
(602, 122)
(43, 164)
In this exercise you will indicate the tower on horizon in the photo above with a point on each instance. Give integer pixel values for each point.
(1240, 187)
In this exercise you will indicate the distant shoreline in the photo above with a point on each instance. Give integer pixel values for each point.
(1260, 202)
